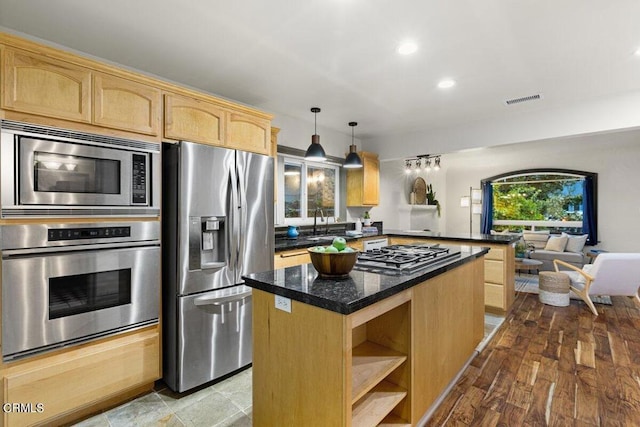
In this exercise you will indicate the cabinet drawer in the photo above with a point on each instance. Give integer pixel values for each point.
(291, 258)
(494, 271)
(495, 254)
(72, 380)
(494, 295)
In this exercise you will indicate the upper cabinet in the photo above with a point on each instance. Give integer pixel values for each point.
(191, 119)
(202, 120)
(246, 132)
(36, 84)
(363, 184)
(56, 88)
(123, 104)
(46, 87)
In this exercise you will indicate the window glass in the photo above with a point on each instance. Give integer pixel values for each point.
(292, 190)
(304, 187)
(543, 201)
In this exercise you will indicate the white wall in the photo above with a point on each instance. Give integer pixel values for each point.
(394, 208)
(615, 157)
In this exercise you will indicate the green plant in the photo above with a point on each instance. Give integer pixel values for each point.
(431, 198)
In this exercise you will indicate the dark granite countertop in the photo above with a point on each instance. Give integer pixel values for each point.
(301, 283)
(300, 242)
(500, 239)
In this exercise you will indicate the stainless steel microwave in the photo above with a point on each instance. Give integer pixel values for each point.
(51, 172)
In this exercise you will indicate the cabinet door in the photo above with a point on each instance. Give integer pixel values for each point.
(192, 119)
(43, 86)
(371, 180)
(363, 184)
(68, 381)
(248, 133)
(126, 105)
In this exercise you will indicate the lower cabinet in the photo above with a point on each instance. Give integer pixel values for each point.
(290, 258)
(385, 364)
(499, 270)
(64, 384)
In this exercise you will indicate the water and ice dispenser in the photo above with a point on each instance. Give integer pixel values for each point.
(207, 243)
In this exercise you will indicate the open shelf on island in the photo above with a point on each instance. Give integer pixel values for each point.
(372, 363)
(375, 405)
(393, 420)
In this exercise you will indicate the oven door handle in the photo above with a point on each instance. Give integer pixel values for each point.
(62, 249)
(213, 300)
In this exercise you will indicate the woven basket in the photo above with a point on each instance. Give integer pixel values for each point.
(554, 288)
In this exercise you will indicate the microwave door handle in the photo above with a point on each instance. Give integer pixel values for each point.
(213, 300)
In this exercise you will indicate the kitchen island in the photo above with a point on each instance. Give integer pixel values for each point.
(499, 264)
(373, 348)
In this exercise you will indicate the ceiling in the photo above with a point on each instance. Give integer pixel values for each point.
(285, 57)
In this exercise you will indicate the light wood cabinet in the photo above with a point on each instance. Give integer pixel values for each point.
(43, 86)
(126, 105)
(192, 119)
(290, 258)
(385, 364)
(82, 377)
(499, 270)
(249, 133)
(363, 184)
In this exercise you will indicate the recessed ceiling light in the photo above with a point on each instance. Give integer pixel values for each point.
(637, 52)
(446, 83)
(407, 48)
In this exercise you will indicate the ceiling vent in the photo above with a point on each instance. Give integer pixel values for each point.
(523, 99)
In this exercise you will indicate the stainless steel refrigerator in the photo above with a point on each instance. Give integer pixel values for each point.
(217, 218)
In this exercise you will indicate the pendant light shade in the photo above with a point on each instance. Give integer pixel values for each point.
(315, 151)
(353, 160)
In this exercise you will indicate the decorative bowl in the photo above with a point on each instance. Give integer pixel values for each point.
(333, 265)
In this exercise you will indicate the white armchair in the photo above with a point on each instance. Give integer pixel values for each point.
(613, 274)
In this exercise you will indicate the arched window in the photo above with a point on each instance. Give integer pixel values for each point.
(542, 199)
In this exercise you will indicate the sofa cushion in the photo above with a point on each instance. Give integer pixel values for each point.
(570, 257)
(575, 243)
(536, 238)
(556, 244)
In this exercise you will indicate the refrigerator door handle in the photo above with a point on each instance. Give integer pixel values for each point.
(213, 300)
(232, 234)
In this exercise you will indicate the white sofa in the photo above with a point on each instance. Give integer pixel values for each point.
(546, 247)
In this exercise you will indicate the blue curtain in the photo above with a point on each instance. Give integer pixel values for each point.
(487, 208)
(589, 223)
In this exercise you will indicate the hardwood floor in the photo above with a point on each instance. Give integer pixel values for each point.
(557, 366)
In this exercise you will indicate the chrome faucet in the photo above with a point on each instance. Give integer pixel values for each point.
(315, 219)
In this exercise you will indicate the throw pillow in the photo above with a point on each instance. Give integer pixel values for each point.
(556, 244)
(536, 238)
(575, 243)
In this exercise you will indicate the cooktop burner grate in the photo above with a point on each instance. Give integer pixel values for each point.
(403, 259)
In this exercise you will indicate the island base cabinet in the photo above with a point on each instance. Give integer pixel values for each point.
(65, 386)
(385, 364)
(298, 365)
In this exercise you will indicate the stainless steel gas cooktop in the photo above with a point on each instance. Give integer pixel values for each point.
(403, 259)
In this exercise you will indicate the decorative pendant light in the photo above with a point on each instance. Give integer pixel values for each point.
(353, 160)
(315, 151)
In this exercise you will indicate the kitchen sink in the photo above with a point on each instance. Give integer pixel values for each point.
(320, 238)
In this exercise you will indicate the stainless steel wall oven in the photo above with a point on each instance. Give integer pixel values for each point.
(54, 172)
(69, 283)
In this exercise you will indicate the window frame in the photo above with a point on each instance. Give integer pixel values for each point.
(532, 224)
(292, 159)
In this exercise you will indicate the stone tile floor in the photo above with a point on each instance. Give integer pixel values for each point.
(224, 404)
